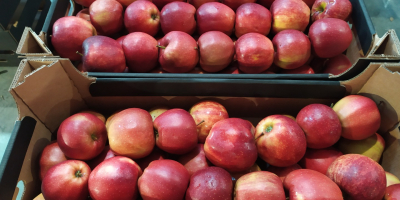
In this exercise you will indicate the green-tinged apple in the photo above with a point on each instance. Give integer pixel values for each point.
(280, 141)
(235, 4)
(110, 118)
(156, 154)
(359, 116)
(142, 16)
(340, 9)
(319, 159)
(95, 113)
(305, 69)
(392, 192)
(289, 14)
(178, 16)
(372, 146)
(104, 155)
(198, 3)
(259, 185)
(195, 160)
(157, 111)
(252, 18)
(84, 14)
(161, 3)
(391, 179)
(337, 65)
(206, 114)
(237, 175)
(210, 183)
(358, 176)
(238, 151)
(282, 172)
(106, 16)
(51, 155)
(215, 16)
(85, 3)
(140, 51)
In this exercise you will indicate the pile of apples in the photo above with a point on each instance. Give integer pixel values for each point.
(207, 36)
(174, 154)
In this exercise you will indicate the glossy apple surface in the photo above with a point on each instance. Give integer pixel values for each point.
(51, 155)
(215, 16)
(282, 172)
(339, 9)
(142, 16)
(392, 192)
(372, 146)
(319, 159)
(337, 65)
(252, 18)
(140, 51)
(195, 160)
(95, 113)
(178, 16)
(289, 14)
(84, 14)
(106, 16)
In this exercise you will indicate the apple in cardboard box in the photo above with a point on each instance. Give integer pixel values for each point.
(198, 3)
(391, 179)
(372, 146)
(104, 155)
(252, 18)
(289, 14)
(339, 9)
(84, 14)
(319, 159)
(156, 154)
(234, 4)
(51, 155)
(337, 65)
(392, 192)
(142, 16)
(282, 172)
(120, 40)
(157, 111)
(237, 175)
(97, 114)
(195, 160)
(215, 16)
(106, 16)
(178, 16)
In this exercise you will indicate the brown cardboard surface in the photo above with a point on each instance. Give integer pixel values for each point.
(388, 46)
(32, 45)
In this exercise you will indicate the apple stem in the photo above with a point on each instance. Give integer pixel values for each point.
(79, 53)
(162, 47)
(332, 105)
(262, 134)
(78, 174)
(200, 122)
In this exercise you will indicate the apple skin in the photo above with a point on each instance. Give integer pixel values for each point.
(84, 14)
(164, 179)
(237, 175)
(372, 146)
(238, 152)
(97, 114)
(329, 37)
(282, 172)
(339, 9)
(156, 154)
(131, 134)
(391, 179)
(289, 14)
(180, 54)
(210, 183)
(140, 51)
(392, 192)
(103, 54)
(108, 121)
(69, 34)
(85, 3)
(235, 4)
(175, 131)
(206, 114)
(198, 3)
(337, 65)
(309, 184)
(104, 155)
(195, 160)
(293, 49)
(115, 178)
(215, 16)
(178, 16)
(106, 16)
(216, 51)
(120, 40)
(82, 136)
(320, 124)
(252, 18)
(359, 116)
(157, 111)
(142, 16)
(259, 185)
(51, 155)
(305, 69)
(358, 176)
(161, 3)
(67, 176)
(254, 52)
(319, 159)
(280, 141)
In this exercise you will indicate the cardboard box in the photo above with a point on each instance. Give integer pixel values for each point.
(49, 90)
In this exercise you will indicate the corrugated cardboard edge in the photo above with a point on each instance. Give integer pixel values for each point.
(388, 46)
(354, 85)
(30, 40)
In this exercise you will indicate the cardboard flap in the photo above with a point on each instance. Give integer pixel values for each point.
(391, 155)
(354, 85)
(388, 46)
(32, 45)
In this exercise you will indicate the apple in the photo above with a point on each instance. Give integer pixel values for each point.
(289, 14)
(259, 185)
(82, 136)
(156, 154)
(51, 155)
(359, 116)
(161, 3)
(97, 114)
(110, 118)
(215, 16)
(106, 16)
(305, 69)
(358, 176)
(235, 4)
(309, 184)
(280, 141)
(65, 177)
(337, 65)
(142, 16)
(104, 155)
(115, 178)
(282, 172)
(120, 40)
(85, 3)
(178, 16)
(130, 133)
(237, 175)
(339, 9)
(84, 14)
(329, 37)
(178, 52)
(198, 3)
(210, 183)
(391, 179)
(238, 151)
(195, 160)
(319, 159)
(254, 52)
(392, 192)
(175, 131)
(69, 34)
(252, 18)
(157, 111)
(140, 51)
(293, 49)
(164, 179)
(372, 146)
(216, 51)
(206, 114)
(320, 124)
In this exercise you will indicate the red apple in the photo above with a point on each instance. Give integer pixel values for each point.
(254, 52)
(175, 131)
(120, 40)
(85, 3)
(329, 37)
(293, 49)
(280, 141)
(104, 155)
(234, 4)
(339, 9)
(140, 51)
(289, 14)
(337, 65)
(309, 184)
(358, 176)
(164, 179)
(178, 52)
(359, 116)
(69, 34)
(194, 160)
(252, 18)
(84, 14)
(391, 179)
(115, 178)
(215, 16)
(157, 111)
(161, 3)
(210, 183)
(66, 180)
(305, 69)
(259, 185)
(106, 16)
(198, 3)
(142, 16)
(97, 114)
(372, 146)
(237, 175)
(238, 151)
(131, 134)
(392, 192)
(108, 121)
(51, 155)
(282, 172)
(156, 154)
(319, 159)
(178, 16)
(82, 136)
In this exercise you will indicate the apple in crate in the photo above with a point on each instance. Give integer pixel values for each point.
(372, 146)
(195, 160)
(319, 159)
(178, 16)
(198, 3)
(157, 111)
(69, 34)
(358, 176)
(161, 3)
(215, 16)
(115, 178)
(339, 9)
(140, 51)
(104, 155)
(51, 155)
(66, 180)
(106, 16)
(210, 183)
(252, 18)
(392, 192)
(95, 113)
(237, 175)
(120, 40)
(234, 4)
(164, 179)
(289, 14)
(391, 179)
(142, 16)
(156, 154)
(337, 65)
(84, 14)
(282, 172)
(82, 136)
